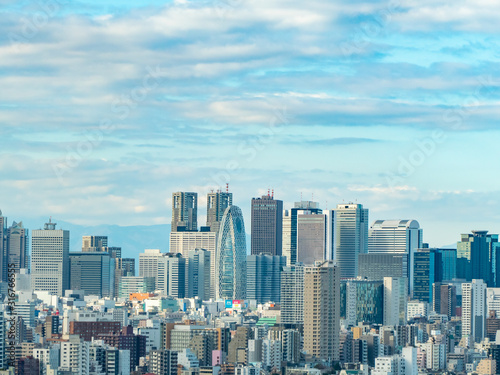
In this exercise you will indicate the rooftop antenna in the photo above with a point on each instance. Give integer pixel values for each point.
(272, 196)
(301, 196)
(268, 192)
(227, 187)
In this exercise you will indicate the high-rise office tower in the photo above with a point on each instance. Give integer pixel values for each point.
(216, 205)
(230, 272)
(321, 310)
(267, 225)
(199, 270)
(474, 312)
(50, 259)
(171, 275)
(329, 234)
(427, 270)
(148, 263)
(13, 247)
(292, 294)
(93, 273)
(444, 299)
(184, 211)
(264, 277)
(449, 261)
(311, 238)
(395, 297)
(396, 237)
(17, 246)
(362, 301)
(474, 256)
(172, 272)
(184, 242)
(290, 227)
(351, 237)
(378, 266)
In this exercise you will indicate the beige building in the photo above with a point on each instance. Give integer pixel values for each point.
(322, 310)
(487, 366)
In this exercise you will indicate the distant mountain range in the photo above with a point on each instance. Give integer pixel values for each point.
(132, 239)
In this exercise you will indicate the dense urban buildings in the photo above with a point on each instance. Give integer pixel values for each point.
(337, 299)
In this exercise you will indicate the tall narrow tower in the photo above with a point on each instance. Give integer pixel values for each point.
(267, 225)
(216, 205)
(50, 259)
(184, 211)
(322, 310)
(230, 272)
(351, 237)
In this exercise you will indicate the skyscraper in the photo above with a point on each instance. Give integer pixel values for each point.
(148, 263)
(50, 259)
(311, 237)
(395, 297)
(171, 274)
(17, 246)
(474, 312)
(199, 271)
(292, 294)
(13, 247)
(184, 211)
(267, 225)
(290, 227)
(351, 237)
(396, 237)
(474, 256)
(427, 270)
(216, 205)
(184, 242)
(93, 273)
(322, 310)
(378, 266)
(264, 277)
(230, 272)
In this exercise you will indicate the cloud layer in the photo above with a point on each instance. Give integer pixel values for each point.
(105, 109)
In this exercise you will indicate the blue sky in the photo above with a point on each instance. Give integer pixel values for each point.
(106, 109)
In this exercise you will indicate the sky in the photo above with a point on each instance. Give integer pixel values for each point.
(106, 109)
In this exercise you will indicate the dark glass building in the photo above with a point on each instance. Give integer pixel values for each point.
(267, 226)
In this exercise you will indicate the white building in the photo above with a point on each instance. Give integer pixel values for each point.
(188, 359)
(493, 300)
(271, 353)
(75, 355)
(50, 259)
(395, 299)
(417, 309)
(148, 263)
(474, 312)
(396, 237)
(48, 357)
